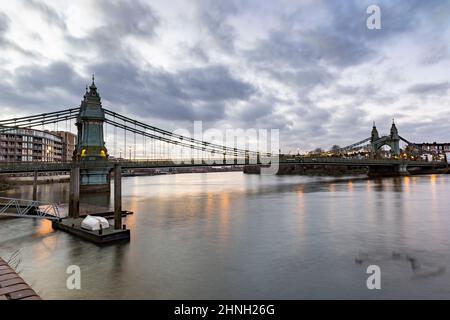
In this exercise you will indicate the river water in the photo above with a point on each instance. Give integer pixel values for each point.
(237, 236)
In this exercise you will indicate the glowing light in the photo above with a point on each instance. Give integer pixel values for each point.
(350, 186)
(45, 227)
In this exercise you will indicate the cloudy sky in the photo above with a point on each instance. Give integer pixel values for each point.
(309, 68)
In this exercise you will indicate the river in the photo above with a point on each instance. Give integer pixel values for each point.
(236, 236)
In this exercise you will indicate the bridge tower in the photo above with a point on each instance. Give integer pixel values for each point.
(90, 141)
(392, 140)
(395, 139)
(374, 137)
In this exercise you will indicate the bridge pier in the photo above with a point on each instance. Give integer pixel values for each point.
(35, 185)
(117, 197)
(74, 192)
(95, 180)
(389, 171)
(403, 169)
(73, 224)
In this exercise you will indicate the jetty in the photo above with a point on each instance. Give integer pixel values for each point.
(12, 286)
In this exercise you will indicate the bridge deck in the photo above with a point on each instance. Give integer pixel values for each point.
(17, 167)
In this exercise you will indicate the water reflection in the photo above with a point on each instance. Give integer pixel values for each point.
(230, 235)
(43, 227)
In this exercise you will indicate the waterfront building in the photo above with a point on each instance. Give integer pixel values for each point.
(27, 145)
(435, 147)
(69, 144)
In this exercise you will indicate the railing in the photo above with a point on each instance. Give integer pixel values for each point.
(42, 166)
(363, 161)
(21, 208)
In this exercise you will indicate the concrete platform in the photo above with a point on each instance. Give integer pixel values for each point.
(107, 215)
(110, 235)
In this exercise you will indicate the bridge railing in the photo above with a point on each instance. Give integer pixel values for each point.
(363, 161)
(11, 167)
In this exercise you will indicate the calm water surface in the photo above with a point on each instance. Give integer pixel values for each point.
(236, 236)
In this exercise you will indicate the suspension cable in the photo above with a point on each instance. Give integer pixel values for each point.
(171, 134)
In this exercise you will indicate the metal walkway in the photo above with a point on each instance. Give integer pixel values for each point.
(22, 208)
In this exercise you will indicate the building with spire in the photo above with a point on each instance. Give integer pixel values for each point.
(90, 140)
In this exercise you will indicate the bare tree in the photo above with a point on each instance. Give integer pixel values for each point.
(335, 148)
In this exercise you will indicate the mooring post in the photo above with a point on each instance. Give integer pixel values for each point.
(74, 192)
(35, 186)
(117, 196)
(71, 193)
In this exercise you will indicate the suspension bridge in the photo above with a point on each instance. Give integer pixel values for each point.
(133, 144)
(105, 136)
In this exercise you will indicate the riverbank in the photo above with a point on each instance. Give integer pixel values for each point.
(319, 170)
(8, 182)
(4, 185)
(12, 286)
(28, 180)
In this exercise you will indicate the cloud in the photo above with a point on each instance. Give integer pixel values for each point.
(214, 83)
(426, 89)
(126, 18)
(188, 95)
(122, 21)
(4, 22)
(213, 16)
(436, 54)
(311, 69)
(49, 14)
(38, 89)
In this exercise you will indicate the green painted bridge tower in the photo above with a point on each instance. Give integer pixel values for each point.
(392, 140)
(90, 141)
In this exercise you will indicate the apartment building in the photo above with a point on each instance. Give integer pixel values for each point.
(69, 144)
(27, 145)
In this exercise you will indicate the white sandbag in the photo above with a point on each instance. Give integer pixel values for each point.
(93, 223)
